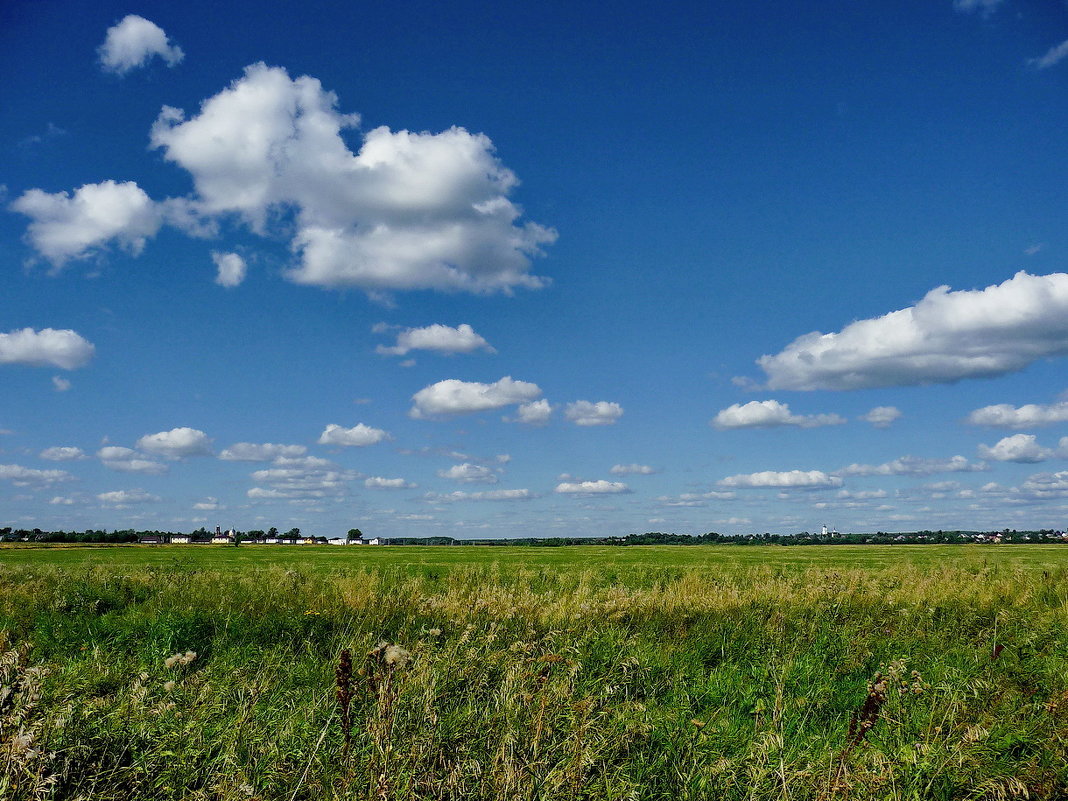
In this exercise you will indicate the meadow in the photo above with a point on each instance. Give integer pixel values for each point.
(705, 672)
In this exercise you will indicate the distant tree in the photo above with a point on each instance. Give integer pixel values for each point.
(293, 533)
(355, 534)
(272, 532)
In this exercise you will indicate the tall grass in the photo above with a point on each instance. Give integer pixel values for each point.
(497, 682)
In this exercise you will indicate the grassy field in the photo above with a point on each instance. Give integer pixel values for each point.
(186, 672)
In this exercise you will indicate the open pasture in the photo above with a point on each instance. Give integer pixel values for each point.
(608, 559)
(181, 672)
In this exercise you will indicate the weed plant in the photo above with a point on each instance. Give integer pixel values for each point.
(489, 681)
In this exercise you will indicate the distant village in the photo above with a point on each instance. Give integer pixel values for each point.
(271, 537)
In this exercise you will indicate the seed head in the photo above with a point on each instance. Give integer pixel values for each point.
(395, 656)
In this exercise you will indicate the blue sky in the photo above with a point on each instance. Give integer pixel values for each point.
(475, 270)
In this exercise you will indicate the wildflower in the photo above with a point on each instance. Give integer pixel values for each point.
(180, 659)
(435, 632)
(395, 656)
(168, 685)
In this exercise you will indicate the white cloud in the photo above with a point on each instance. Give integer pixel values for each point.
(439, 338)
(60, 348)
(945, 337)
(64, 227)
(62, 454)
(60, 500)
(60, 384)
(534, 413)
(358, 436)
(177, 443)
(127, 497)
(984, 7)
(301, 478)
(133, 42)
(1054, 55)
(28, 477)
(1041, 485)
(231, 268)
(770, 414)
(377, 482)
(468, 473)
(408, 211)
(695, 499)
(453, 396)
(208, 505)
(265, 452)
(585, 413)
(914, 466)
(599, 487)
(1003, 415)
(790, 479)
(1021, 448)
(482, 495)
(127, 460)
(303, 462)
(632, 470)
(882, 416)
(861, 495)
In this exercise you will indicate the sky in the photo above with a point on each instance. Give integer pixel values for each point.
(512, 270)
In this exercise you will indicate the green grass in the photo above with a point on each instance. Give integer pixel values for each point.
(605, 558)
(563, 673)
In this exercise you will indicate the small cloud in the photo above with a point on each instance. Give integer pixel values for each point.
(535, 413)
(914, 466)
(133, 42)
(632, 470)
(61, 384)
(770, 414)
(1036, 248)
(265, 452)
(439, 338)
(601, 413)
(377, 482)
(589, 488)
(982, 7)
(1004, 415)
(127, 497)
(1019, 448)
(28, 477)
(65, 349)
(789, 479)
(231, 268)
(482, 495)
(178, 443)
(127, 460)
(468, 473)
(63, 454)
(358, 436)
(452, 397)
(882, 416)
(1052, 56)
(64, 226)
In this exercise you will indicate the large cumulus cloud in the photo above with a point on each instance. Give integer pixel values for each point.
(409, 210)
(945, 337)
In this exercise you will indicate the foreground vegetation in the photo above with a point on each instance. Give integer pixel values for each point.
(416, 673)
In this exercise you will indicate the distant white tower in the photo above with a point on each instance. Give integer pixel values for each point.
(823, 531)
